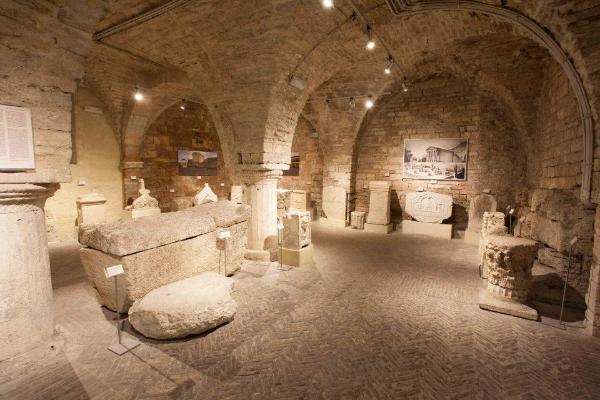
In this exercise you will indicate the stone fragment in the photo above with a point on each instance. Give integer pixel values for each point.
(206, 195)
(91, 209)
(187, 307)
(296, 247)
(477, 207)
(237, 194)
(378, 219)
(334, 205)
(357, 219)
(181, 203)
(299, 199)
(429, 207)
(145, 205)
(492, 224)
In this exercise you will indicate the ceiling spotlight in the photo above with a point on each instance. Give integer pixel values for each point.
(371, 43)
(369, 103)
(182, 105)
(327, 3)
(388, 69)
(138, 95)
(405, 85)
(352, 102)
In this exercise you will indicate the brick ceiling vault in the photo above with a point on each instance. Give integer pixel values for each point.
(408, 7)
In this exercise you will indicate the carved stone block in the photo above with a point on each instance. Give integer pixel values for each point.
(429, 206)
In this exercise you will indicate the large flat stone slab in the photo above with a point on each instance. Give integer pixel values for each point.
(187, 307)
(489, 301)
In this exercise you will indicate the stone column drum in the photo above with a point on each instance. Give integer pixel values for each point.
(260, 193)
(357, 219)
(26, 310)
(492, 224)
(378, 219)
(510, 261)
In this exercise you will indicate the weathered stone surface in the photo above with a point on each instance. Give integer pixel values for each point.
(493, 224)
(379, 202)
(91, 209)
(510, 261)
(296, 229)
(145, 200)
(181, 203)
(357, 219)
(237, 194)
(429, 206)
(187, 307)
(334, 203)
(477, 207)
(299, 199)
(206, 195)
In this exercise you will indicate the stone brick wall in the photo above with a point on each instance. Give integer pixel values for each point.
(43, 50)
(311, 164)
(442, 108)
(174, 129)
(96, 168)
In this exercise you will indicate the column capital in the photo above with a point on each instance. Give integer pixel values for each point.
(255, 173)
(22, 197)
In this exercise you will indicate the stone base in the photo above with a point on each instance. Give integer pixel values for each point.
(472, 237)
(443, 231)
(379, 228)
(297, 258)
(337, 223)
(144, 212)
(257, 255)
(489, 301)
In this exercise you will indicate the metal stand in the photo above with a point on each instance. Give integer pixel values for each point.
(124, 345)
(223, 252)
(564, 296)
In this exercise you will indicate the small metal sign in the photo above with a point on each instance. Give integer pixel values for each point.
(113, 271)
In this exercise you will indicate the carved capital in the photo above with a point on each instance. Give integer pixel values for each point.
(15, 198)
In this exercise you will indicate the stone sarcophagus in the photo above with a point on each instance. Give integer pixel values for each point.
(160, 249)
(429, 209)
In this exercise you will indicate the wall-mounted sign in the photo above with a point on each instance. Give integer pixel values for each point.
(435, 159)
(16, 139)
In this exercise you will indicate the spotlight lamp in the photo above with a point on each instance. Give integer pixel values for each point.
(370, 43)
(369, 103)
(327, 3)
(405, 85)
(390, 64)
(352, 102)
(138, 95)
(182, 105)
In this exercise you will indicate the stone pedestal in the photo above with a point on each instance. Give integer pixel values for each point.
(334, 206)
(260, 193)
(296, 246)
(378, 219)
(477, 207)
(26, 310)
(510, 261)
(357, 219)
(443, 231)
(91, 209)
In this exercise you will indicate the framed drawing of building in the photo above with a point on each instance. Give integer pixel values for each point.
(197, 163)
(439, 159)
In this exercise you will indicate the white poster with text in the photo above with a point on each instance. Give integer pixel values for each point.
(16, 139)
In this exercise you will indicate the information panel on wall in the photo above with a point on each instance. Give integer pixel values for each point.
(16, 139)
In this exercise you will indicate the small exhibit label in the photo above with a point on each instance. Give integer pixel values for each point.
(114, 270)
(224, 235)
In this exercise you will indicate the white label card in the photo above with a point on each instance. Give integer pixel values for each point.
(16, 139)
(114, 270)
(224, 235)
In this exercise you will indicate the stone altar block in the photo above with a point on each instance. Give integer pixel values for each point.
(510, 261)
(357, 219)
(145, 205)
(429, 209)
(299, 200)
(478, 205)
(91, 209)
(297, 249)
(334, 206)
(378, 219)
(161, 249)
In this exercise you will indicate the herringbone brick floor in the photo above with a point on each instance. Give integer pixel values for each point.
(376, 317)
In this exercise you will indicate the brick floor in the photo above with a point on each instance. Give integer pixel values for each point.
(376, 317)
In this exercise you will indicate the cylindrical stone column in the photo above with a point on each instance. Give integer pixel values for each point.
(26, 310)
(260, 193)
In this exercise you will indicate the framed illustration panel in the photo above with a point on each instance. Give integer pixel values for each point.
(438, 159)
(197, 163)
(16, 139)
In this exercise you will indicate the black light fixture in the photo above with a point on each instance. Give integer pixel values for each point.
(182, 105)
(370, 43)
(405, 85)
(390, 64)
